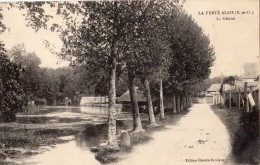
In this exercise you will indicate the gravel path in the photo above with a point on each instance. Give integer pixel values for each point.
(198, 138)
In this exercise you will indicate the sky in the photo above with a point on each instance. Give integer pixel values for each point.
(234, 41)
(19, 33)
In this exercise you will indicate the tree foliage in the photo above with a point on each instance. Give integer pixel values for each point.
(30, 77)
(12, 95)
(192, 54)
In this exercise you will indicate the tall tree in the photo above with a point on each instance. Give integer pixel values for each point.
(148, 47)
(30, 77)
(11, 93)
(92, 36)
(192, 54)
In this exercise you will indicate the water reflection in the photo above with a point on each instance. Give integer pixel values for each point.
(62, 114)
(64, 154)
(78, 150)
(93, 135)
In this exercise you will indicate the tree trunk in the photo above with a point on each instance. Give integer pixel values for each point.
(152, 121)
(112, 143)
(178, 103)
(188, 101)
(246, 97)
(161, 101)
(174, 103)
(184, 102)
(135, 108)
(181, 100)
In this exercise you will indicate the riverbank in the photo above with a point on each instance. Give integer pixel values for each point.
(26, 138)
(22, 140)
(244, 134)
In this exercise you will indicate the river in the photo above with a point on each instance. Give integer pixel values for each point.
(77, 150)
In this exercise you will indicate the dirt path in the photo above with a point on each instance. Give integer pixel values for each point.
(198, 138)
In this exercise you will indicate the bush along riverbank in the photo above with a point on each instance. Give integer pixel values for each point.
(243, 128)
(106, 155)
(20, 140)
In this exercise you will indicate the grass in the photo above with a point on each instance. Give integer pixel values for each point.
(106, 156)
(20, 141)
(244, 133)
(231, 118)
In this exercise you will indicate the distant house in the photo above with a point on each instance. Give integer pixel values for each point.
(94, 100)
(213, 94)
(214, 89)
(250, 71)
(125, 98)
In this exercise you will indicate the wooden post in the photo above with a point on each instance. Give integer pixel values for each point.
(251, 92)
(246, 99)
(239, 100)
(224, 95)
(230, 97)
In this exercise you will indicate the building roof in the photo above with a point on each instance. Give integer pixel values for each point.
(126, 96)
(239, 86)
(94, 100)
(214, 88)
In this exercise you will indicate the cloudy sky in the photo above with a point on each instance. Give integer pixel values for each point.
(235, 41)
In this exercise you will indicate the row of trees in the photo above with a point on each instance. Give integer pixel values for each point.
(151, 41)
